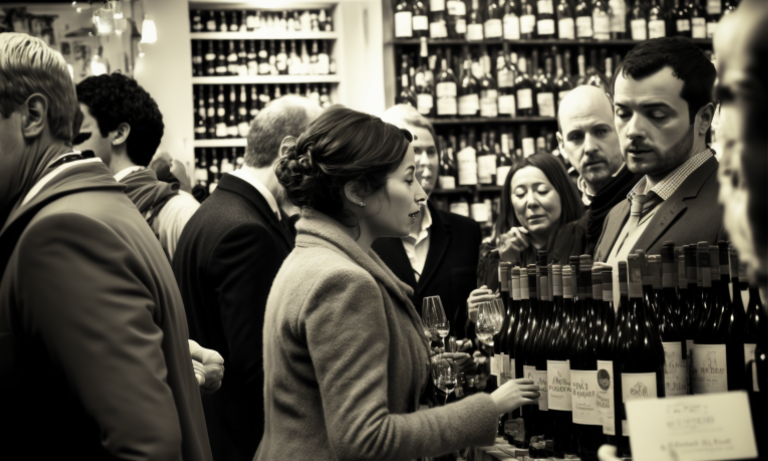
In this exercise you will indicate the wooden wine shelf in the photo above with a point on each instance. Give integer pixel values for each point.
(225, 142)
(482, 120)
(264, 5)
(467, 190)
(265, 79)
(264, 35)
(532, 42)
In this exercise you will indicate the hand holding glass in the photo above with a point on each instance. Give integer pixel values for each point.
(444, 373)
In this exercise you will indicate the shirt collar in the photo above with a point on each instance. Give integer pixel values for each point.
(426, 223)
(667, 186)
(586, 193)
(126, 171)
(247, 176)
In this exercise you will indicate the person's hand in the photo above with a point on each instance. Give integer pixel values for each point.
(607, 453)
(514, 394)
(465, 362)
(464, 345)
(515, 240)
(209, 367)
(479, 295)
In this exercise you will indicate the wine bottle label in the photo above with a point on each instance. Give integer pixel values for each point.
(546, 102)
(211, 25)
(507, 104)
(459, 208)
(232, 131)
(486, 168)
(221, 130)
(477, 70)
(469, 104)
(559, 385)
(584, 26)
(211, 112)
(529, 372)
(475, 32)
(636, 386)
(602, 24)
(618, 16)
(546, 27)
(529, 147)
(493, 28)
(511, 27)
(447, 182)
(525, 98)
(221, 69)
(566, 29)
(540, 379)
(561, 95)
(242, 129)
(675, 369)
(201, 174)
(711, 29)
(436, 5)
(200, 129)
(583, 397)
(545, 7)
(656, 29)
(404, 24)
(264, 68)
(456, 8)
(494, 369)
(527, 23)
(505, 78)
(251, 22)
(683, 25)
(749, 355)
(508, 367)
(221, 112)
(639, 31)
(461, 26)
(488, 107)
(709, 370)
(424, 103)
(420, 23)
(714, 7)
(323, 64)
(667, 275)
(698, 28)
(480, 212)
(604, 396)
(467, 163)
(438, 30)
(501, 174)
(446, 90)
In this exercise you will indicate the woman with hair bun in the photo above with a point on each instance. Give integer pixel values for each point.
(345, 355)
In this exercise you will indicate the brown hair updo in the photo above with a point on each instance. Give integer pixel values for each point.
(340, 146)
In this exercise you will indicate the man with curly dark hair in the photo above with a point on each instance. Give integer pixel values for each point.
(123, 127)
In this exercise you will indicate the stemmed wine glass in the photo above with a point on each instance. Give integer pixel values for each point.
(445, 371)
(433, 316)
(489, 321)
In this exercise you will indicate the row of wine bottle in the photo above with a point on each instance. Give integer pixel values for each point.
(242, 59)
(211, 164)
(257, 21)
(558, 19)
(515, 85)
(672, 328)
(217, 118)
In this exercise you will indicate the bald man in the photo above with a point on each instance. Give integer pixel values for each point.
(588, 138)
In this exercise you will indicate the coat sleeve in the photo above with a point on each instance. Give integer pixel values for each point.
(88, 298)
(345, 330)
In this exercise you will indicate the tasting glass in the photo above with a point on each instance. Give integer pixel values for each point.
(488, 322)
(433, 316)
(445, 371)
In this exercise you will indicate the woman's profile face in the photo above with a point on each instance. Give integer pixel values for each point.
(536, 203)
(394, 207)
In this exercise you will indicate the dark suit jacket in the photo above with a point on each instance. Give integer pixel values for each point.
(94, 358)
(451, 267)
(225, 262)
(690, 215)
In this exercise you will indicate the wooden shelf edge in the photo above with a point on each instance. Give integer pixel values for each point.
(481, 120)
(271, 35)
(266, 79)
(225, 142)
(467, 190)
(532, 42)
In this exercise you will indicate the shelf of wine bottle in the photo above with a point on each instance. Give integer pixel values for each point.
(483, 120)
(224, 142)
(532, 42)
(264, 35)
(467, 190)
(265, 79)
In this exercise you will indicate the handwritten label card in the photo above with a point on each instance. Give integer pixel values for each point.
(709, 427)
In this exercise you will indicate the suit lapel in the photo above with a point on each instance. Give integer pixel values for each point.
(391, 251)
(439, 238)
(612, 230)
(675, 205)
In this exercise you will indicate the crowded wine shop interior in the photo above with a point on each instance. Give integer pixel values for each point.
(384, 230)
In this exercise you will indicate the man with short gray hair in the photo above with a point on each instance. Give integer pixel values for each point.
(226, 259)
(94, 359)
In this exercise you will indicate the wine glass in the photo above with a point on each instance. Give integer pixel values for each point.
(444, 373)
(487, 323)
(434, 317)
(450, 345)
(428, 318)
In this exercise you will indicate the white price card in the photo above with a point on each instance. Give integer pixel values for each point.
(692, 428)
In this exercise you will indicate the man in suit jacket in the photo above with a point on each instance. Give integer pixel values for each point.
(440, 256)
(663, 111)
(94, 359)
(226, 260)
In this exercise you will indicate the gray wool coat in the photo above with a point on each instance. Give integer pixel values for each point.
(346, 359)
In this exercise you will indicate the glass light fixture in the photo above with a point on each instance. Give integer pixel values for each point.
(116, 8)
(148, 30)
(104, 19)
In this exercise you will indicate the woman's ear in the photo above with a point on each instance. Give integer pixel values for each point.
(353, 192)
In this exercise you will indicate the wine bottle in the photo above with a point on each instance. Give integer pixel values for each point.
(657, 16)
(675, 368)
(223, 23)
(438, 26)
(424, 83)
(511, 21)
(541, 351)
(682, 283)
(405, 96)
(581, 61)
(467, 161)
(558, 368)
(493, 26)
(524, 90)
(584, 27)
(517, 435)
(698, 19)
(563, 84)
(527, 19)
(638, 20)
(545, 91)
(420, 19)
(545, 19)
(601, 20)
(566, 21)
(680, 20)
(618, 9)
(723, 293)
(243, 121)
(446, 90)
(221, 113)
(528, 142)
(475, 23)
(457, 19)
(403, 19)
(232, 113)
(196, 21)
(210, 116)
(714, 12)
(488, 94)
(709, 372)
(197, 60)
(608, 392)
(201, 169)
(505, 77)
(755, 332)
(640, 351)
(528, 356)
(486, 161)
(213, 172)
(200, 115)
(469, 94)
(232, 64)
(210, 22)
(263, 58)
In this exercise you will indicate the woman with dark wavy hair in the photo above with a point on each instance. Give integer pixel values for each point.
(345, 353)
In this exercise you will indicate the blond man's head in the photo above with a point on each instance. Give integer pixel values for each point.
(28, 66)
